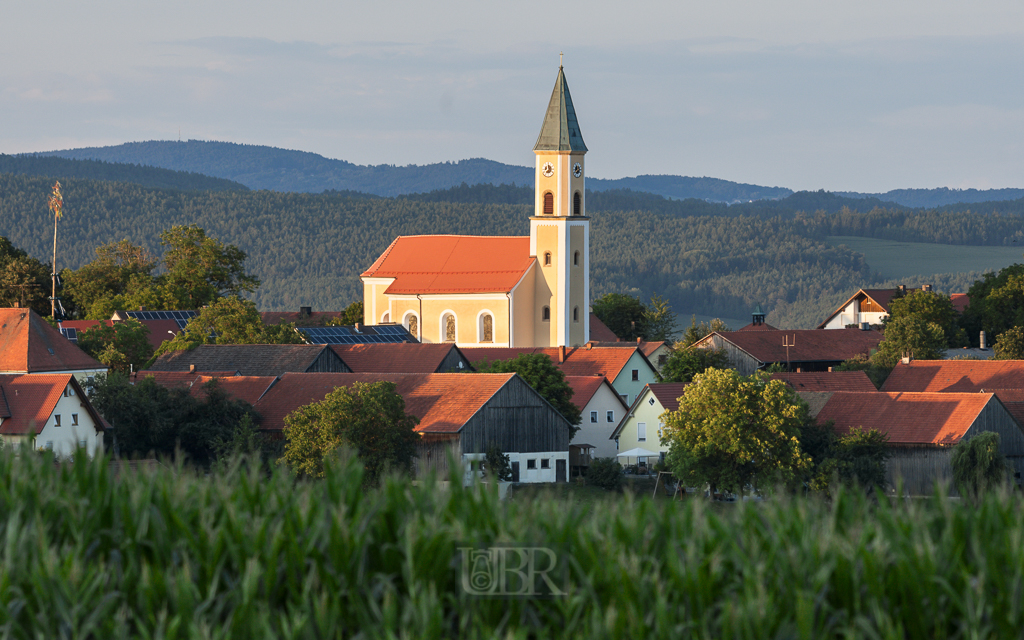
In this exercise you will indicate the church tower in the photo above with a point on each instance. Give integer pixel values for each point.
(560, 228)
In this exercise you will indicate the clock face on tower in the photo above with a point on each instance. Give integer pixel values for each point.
(548, 169)
(577, 170)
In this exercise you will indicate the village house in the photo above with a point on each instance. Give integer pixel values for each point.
(28, 344)
(643, 424)
(529, 291)
(656, 352)
(459, 415)
(628, 370)
(601, 409)
(871, 306)
(403, 358)
(799, 350)
(49, 411)
(923, 428)
(253, 359)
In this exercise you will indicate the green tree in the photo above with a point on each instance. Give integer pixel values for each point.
(201, 269)
(369, 418)
(605, 473)
(24, 281)
(996, 304)
(697, 332)
(921, 339)
(624, 315)
(230, 320)
(685, 363)
(856, 459)
(121, 277)
(861, 362)
(978, 465)
(933, 307)
(659, 320)
(122, 347)
(1010, 345)
(731, 432)
(497, 464)
(547, 379)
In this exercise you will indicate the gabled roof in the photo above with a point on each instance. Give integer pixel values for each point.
(32, 398)
(28, 344)
(764, 326)
(828, 381)
(585, 387)
(247, 388)
(174, 379)
(882, 297)
(668, 394)
(560, 130)
(1013, 400)
(809, 345)
(579, 361)
(396, 358)
(960, 301)
(453, 264)
(907, 418)
(247, 359)
(646, 348)
(599, 331)
(443, 402)
(956, 375)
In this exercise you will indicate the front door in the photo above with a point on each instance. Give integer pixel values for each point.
(560, 471)
(515, 471)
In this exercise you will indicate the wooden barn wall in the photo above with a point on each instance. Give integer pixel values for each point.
(516, 419)
(994, 417)
(919, 468)
(432, 456)
(451, 363)
(328, 362)
(739, 360)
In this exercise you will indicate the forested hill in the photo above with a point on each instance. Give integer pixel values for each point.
(930, 198)
(261, 167)
(308, 249)
(147, 176)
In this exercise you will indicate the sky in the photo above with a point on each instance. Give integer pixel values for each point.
(806, 94)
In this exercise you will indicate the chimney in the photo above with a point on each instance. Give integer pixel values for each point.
(358, 328)
(638, 340)
(902, 288)
(798, 370)
(305, 312)
(142, 308)
(590, 345)
(191, 368)
(561, 354)
(17, 304)
(865, 326)
(830, 369)
(926, 287)
(982, 341)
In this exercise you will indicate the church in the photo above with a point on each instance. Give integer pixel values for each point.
(501, 291)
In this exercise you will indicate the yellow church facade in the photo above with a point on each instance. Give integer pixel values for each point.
(529, 291)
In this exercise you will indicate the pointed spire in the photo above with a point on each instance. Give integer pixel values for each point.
(560, 131)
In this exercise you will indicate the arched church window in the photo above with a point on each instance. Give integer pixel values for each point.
(386, 317)
(576, 204)
(449, 328)
(546, 313)
(576, 259)
(549, 204)
(486, 328)
(575, 314)
(547, 258)
(412, 323)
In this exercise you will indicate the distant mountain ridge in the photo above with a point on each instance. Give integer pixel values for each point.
(147, 176)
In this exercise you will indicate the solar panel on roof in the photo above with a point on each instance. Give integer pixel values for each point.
(70, 333)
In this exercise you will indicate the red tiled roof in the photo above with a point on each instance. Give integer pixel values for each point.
(452, 264)
(809, 345)
(247, 388)
(907, 418)
(393, 358)
(956, 375)
(28, 344)
(647, 348)
(160, 331)
(960, 301)
(828, 381)
(584, 388)
(443, 402)
(83, 325)
(668, 394)
(31, 399)
(174, 379)
(758, 327)
(599, 331)
(579, 361)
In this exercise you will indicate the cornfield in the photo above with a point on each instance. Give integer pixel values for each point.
(168, 553)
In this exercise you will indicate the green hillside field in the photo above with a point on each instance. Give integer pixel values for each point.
(894, 259)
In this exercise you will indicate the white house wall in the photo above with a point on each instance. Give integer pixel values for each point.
(599, 433)
(67, 438)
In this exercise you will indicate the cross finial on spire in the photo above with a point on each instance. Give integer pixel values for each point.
(559, 59)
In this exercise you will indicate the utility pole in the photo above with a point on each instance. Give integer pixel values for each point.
(57, 207)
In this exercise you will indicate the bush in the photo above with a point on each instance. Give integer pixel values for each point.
(978, 465)
(605, 473)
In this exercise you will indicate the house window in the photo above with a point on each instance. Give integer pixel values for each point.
(74, 419)
(576, 259)
(486, 328)
(611, 416)
(68, 391)
(576, 201)
(547, 258)
(636, 375)
(546, 313)
(82, 444)
(641, 431)
(661, 429)
(651, 402)
(49, 445)
(56, 420)
(593, 416)
(549, 204)
(575, 314)
(545, 463)
(531, 464)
